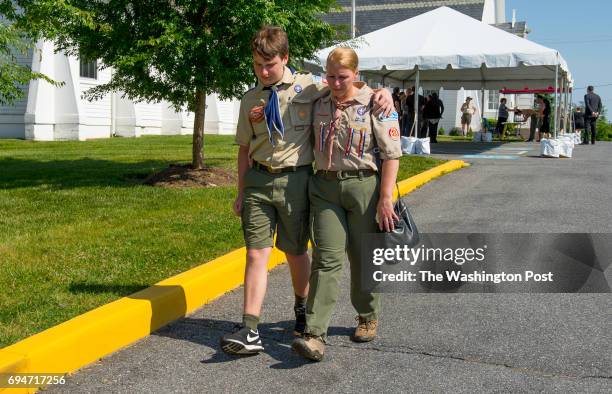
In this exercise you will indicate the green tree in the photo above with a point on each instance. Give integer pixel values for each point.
(177, 50)
(604, 127)
(14, 40)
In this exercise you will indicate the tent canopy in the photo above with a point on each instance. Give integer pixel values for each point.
(453, 50)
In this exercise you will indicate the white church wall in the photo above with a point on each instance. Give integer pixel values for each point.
(221, 115)
(96, 115)
(11, 116)
(148, 118)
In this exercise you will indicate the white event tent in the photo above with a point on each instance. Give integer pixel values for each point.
(446, 48)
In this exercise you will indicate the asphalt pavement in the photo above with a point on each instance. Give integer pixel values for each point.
(427, 342)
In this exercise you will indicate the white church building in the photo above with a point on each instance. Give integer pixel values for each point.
(49, 113)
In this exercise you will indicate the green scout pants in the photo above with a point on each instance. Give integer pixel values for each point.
(276, 202)
(341, 211)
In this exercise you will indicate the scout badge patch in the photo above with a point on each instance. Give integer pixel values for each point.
(256, 114)
(394, 133)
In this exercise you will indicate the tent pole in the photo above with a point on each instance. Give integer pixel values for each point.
(568, 106)
(416, 103)
(572, 125)
(561, 101)
(556, 88)
(564, 103)
(482, 90)
(561, 105)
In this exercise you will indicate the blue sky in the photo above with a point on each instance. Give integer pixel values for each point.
(581, 31)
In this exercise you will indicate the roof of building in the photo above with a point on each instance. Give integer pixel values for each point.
(520, 28)
(371, 15)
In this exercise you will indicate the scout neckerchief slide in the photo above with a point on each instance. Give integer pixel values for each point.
(405, 231)
(274, 119)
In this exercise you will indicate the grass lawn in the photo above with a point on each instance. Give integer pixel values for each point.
(77, 230)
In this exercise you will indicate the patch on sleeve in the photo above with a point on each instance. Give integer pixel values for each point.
(391, 118)
(394, 133)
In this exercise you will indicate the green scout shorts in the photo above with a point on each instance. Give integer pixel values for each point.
(276, 201)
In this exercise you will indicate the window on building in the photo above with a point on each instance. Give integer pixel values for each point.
(493, 100)
(89, 69)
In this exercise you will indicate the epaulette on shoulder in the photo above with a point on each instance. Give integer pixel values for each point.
(303, 72)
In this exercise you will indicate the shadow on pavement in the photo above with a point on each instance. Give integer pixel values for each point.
(277, 338)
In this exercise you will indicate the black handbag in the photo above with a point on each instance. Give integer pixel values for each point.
(405, 231)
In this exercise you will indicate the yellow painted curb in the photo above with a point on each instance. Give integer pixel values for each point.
(90, 336)
(414, 182)
(95, 334)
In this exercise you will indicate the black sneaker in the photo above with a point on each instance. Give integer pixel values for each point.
(243, 341)
(300, 320)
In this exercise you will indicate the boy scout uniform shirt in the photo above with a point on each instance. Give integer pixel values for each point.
(296, 92)
(353, 141)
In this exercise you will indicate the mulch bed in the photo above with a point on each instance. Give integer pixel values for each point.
(183, 176)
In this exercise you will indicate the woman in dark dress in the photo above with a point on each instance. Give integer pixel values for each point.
(579, 121)
(545, 115)
(434, 108)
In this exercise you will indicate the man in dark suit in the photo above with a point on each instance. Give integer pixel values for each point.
(592, 109)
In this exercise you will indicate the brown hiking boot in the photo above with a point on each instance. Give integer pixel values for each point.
(309, 346)
(365, 331)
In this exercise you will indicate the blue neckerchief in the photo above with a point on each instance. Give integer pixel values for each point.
(273, 115)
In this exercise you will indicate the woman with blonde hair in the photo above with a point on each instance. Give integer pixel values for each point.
(347, 196)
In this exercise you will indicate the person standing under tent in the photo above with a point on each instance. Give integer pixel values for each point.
(400, 109)
(578, 119)
(468, 109)
(423, 119)
(434, 108)
(406, 122)
(534, 119)
(396, 99)
(410, 105)
(544, 115)
(502, 117)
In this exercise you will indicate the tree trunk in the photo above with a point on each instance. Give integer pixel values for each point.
(197, 158)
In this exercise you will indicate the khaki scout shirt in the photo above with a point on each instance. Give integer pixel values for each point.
(469, 109)
(353, 151)
(296, 92)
